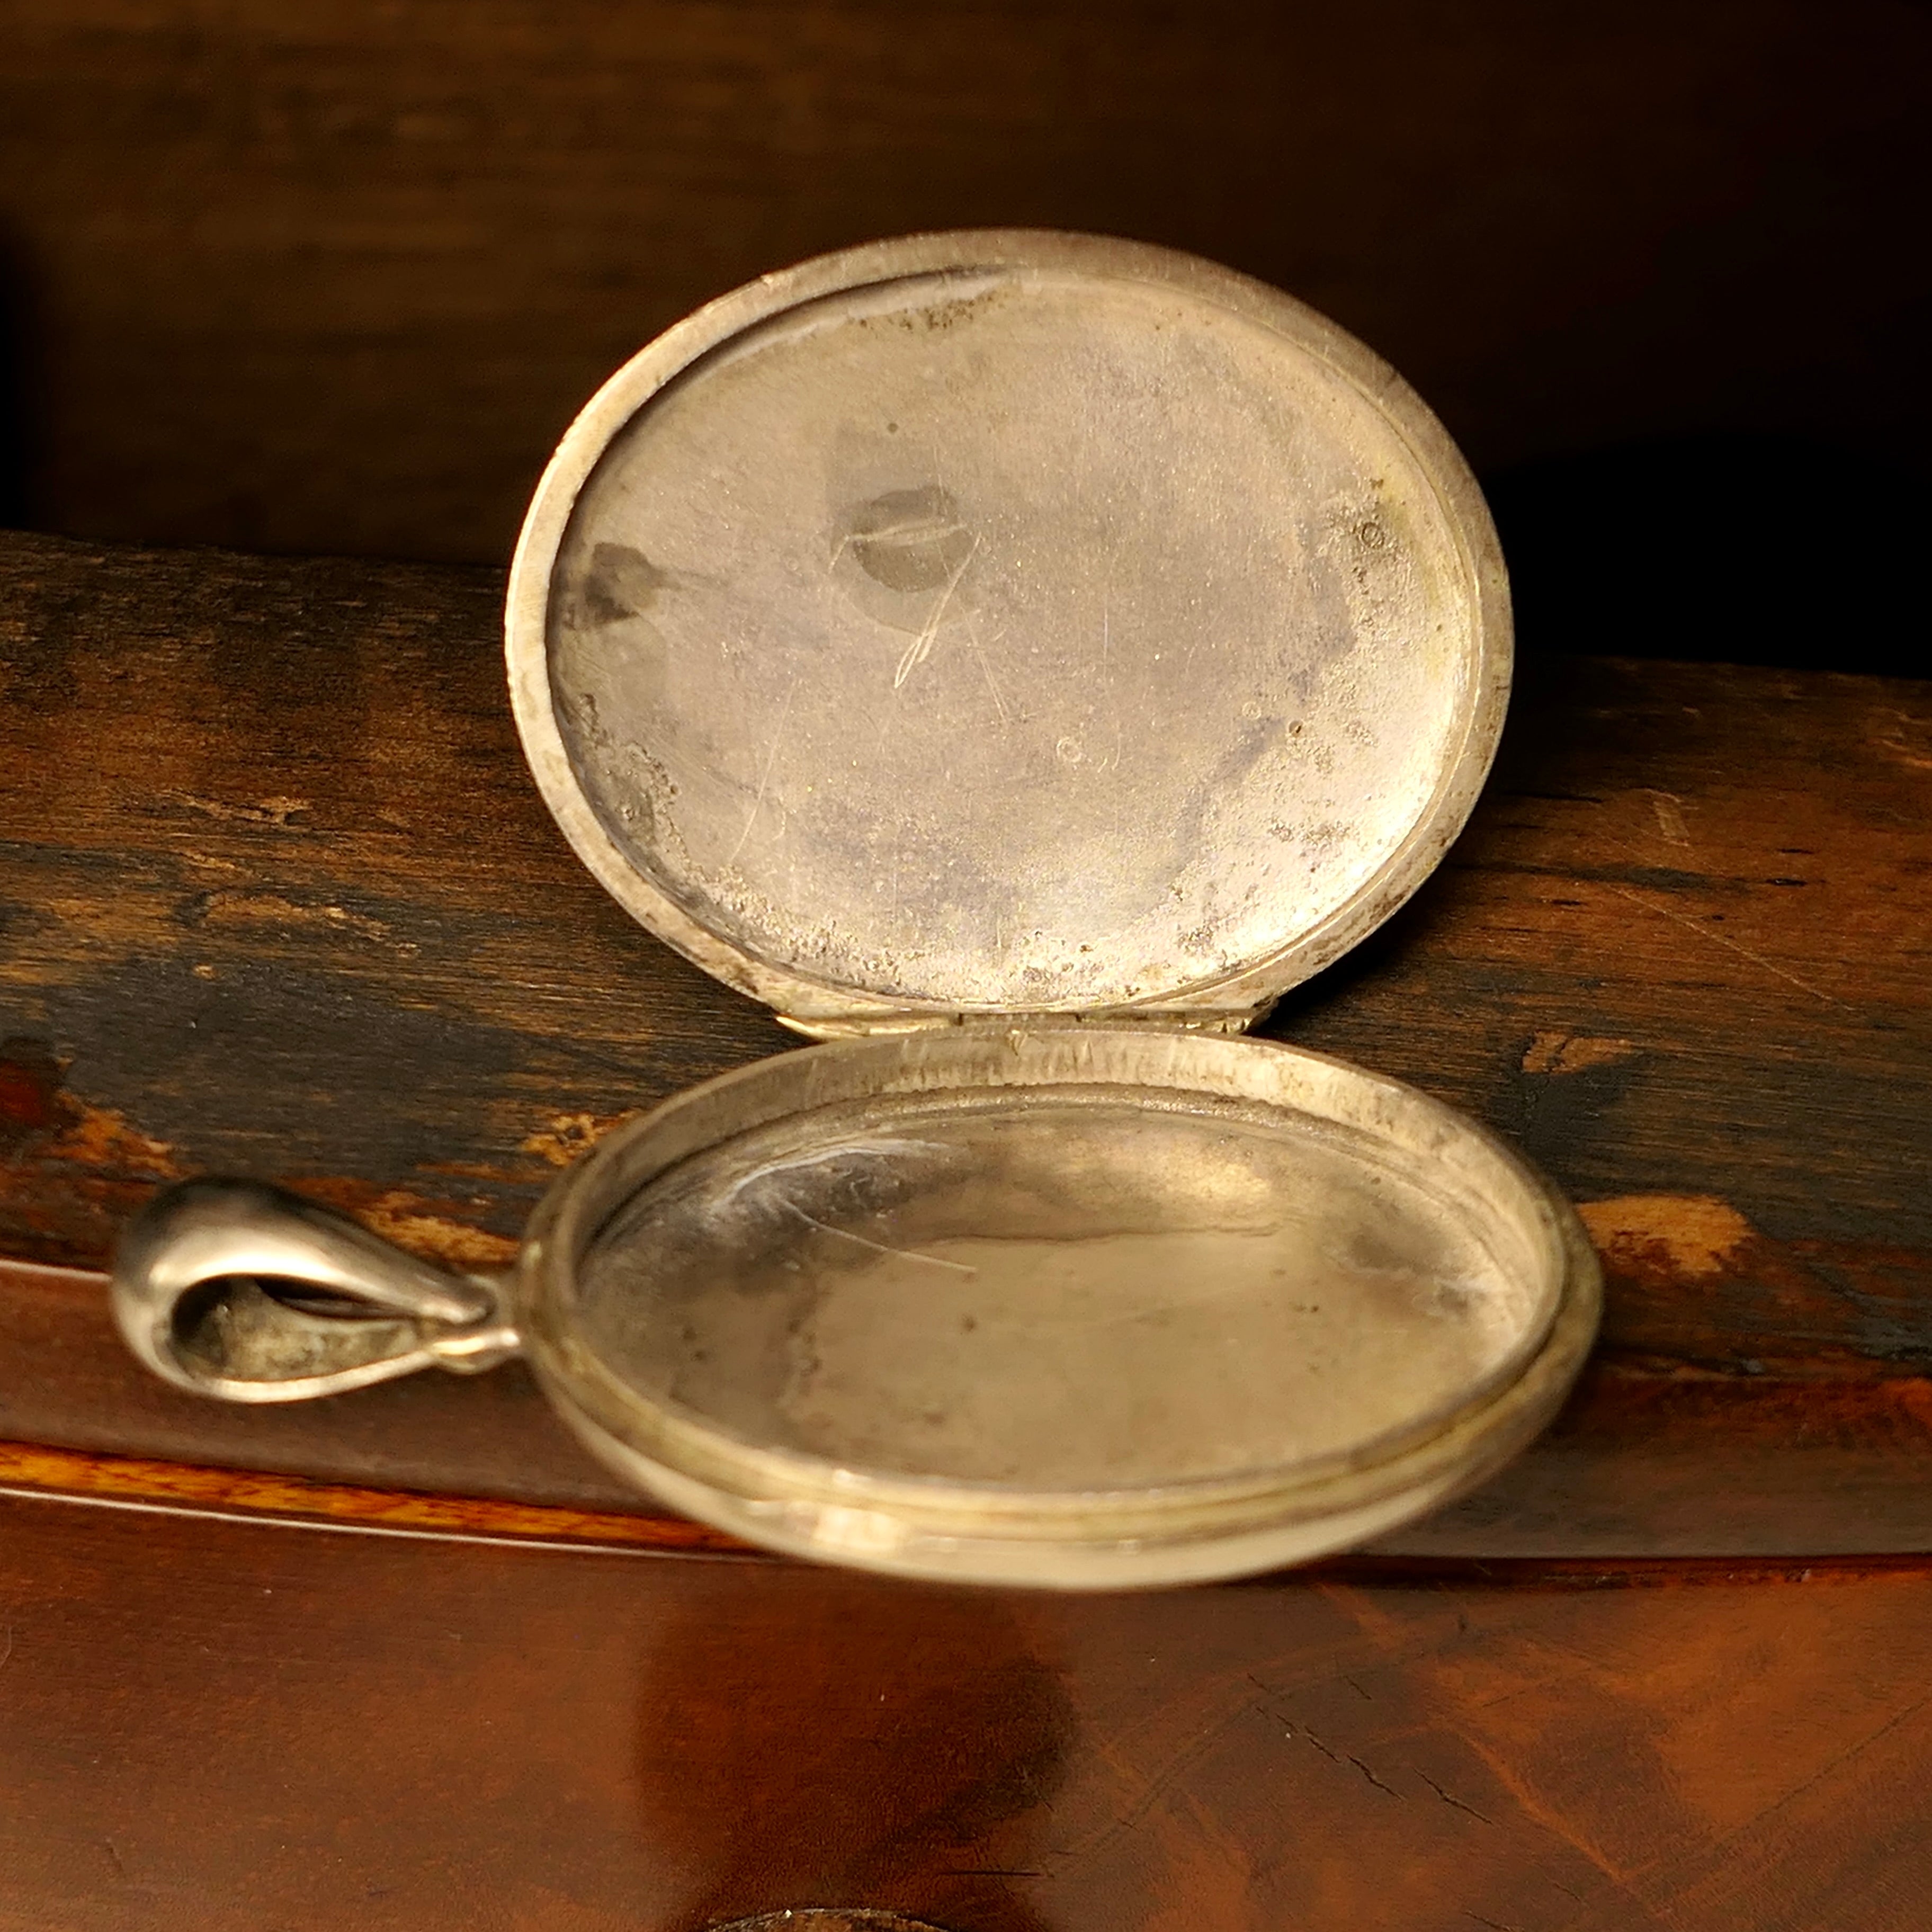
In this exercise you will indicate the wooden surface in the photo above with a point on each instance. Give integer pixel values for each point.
(208, 1726)
(334, 274)
(277, 897)
(275, 894)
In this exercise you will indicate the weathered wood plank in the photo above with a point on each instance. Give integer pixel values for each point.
(276, 895)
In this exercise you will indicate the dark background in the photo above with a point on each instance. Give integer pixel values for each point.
(333, 275)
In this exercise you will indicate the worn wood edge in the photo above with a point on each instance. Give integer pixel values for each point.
(31, 1472)
(32, 1467)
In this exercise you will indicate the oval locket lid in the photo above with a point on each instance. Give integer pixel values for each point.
(1008, 623)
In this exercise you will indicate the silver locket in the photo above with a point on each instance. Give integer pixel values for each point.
(1016, 658)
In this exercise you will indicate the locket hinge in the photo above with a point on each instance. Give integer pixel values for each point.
(865, 1026)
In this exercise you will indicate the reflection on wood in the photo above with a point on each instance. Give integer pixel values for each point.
(257, 1726)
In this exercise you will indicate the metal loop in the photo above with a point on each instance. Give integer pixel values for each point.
(195, 1281)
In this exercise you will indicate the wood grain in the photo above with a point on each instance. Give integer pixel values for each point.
(221, 1726)
(277, 897)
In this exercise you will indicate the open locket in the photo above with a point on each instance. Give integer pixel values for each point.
(1016, 658)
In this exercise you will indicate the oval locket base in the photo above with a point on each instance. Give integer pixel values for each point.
(1078, 1306)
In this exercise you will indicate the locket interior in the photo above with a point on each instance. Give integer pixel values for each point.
(1079, 1306)
(995, 634)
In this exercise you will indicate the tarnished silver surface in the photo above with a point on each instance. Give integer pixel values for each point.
(1077, 1306)
(348, 1309)
(1008, 621)
(1025, 655)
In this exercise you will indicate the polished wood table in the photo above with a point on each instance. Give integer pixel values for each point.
(276, 896)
